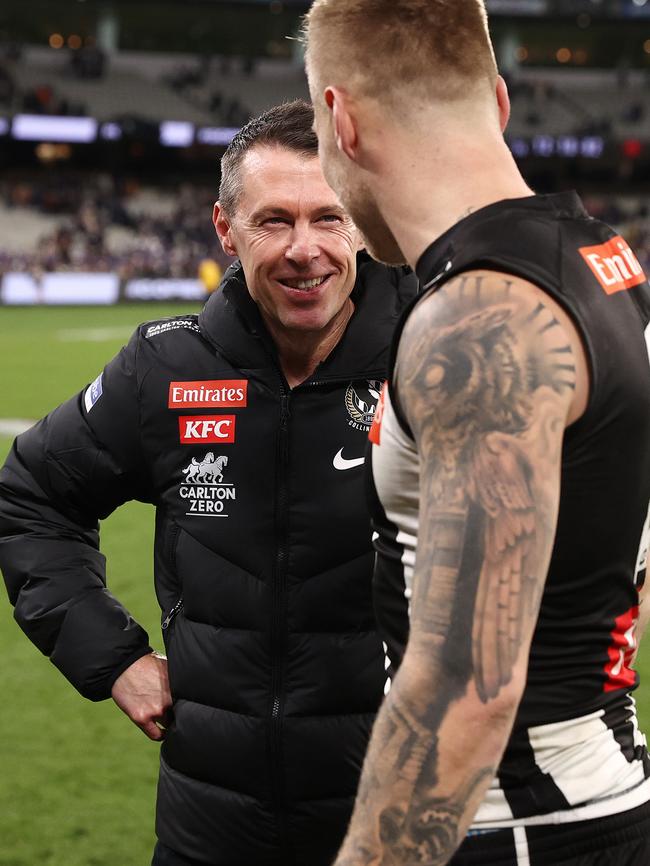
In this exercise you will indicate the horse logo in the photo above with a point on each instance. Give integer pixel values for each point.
(206, 471)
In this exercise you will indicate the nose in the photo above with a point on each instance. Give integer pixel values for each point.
(302, 248)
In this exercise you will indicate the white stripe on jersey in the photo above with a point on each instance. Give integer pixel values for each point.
(397, 482)
(521, 846)
(586, 763)
(601, 809)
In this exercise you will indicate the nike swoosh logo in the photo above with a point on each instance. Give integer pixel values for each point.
(340, 462)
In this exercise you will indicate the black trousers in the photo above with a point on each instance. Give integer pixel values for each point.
(617, 840)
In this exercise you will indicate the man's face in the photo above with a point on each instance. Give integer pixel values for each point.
(296, 244)
(347, 180)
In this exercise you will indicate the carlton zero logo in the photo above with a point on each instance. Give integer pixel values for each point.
(210, 394)
(614, 265)
(199, 429)
(204, 491)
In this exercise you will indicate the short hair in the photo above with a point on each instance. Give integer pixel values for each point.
(435, 48)
(289, 125)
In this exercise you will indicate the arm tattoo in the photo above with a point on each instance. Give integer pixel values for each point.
(484, 384)
(485, 375)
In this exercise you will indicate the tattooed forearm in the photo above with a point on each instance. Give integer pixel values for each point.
(486, 376)
(428, 834)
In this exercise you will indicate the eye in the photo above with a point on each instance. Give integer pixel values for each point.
(275, 221)
(330, 218)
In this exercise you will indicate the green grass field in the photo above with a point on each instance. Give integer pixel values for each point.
(77, 780)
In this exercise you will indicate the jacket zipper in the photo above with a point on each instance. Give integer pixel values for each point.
(172, 613)
(279, 627)
(171, 555)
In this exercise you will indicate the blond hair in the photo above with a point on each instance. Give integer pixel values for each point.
(434, 49)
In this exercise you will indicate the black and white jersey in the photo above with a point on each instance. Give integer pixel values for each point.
(575, 752)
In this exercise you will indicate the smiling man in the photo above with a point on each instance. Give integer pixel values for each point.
(246, 427)
(297, 246)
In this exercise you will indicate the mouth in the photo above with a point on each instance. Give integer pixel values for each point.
(304, 285)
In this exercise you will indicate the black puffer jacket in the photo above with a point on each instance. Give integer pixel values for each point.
(262, 563)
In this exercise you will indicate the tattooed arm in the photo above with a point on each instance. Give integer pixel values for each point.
(490, 371)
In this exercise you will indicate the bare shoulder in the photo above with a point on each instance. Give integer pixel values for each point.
(490, 344)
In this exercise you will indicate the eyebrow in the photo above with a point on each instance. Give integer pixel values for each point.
(265, 212)
(277, 211)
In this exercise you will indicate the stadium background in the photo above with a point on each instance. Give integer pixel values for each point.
(112, 119)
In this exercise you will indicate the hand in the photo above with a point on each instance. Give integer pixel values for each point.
(142, 692)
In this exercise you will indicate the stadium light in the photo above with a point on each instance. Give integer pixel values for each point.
(216, 135)
(176, 133)
(38, 127)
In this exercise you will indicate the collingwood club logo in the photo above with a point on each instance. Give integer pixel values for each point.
(204, 490)
(361, 404)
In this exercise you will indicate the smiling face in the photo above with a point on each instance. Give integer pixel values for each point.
(296, 244)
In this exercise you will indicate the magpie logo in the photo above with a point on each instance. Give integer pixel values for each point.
(361, 403)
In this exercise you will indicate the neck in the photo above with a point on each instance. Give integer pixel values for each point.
(300, 352)
(461, 172)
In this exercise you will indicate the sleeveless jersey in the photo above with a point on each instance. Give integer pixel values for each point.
(575, 751)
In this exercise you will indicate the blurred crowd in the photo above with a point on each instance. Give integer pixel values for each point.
(206, 85)
(98, 223)
(101, 226)
(84, 62)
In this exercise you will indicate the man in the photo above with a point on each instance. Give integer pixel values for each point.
(245, 426)
(511, 463)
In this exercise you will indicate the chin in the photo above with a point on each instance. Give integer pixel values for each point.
(385, 252)
(379, 239)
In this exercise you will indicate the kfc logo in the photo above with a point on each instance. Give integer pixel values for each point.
(217, 393)
(195, 429)
(614, 265)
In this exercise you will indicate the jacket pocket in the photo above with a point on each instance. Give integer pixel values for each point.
(167, 624)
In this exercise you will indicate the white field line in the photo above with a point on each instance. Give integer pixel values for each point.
(93, 335)
(14, 426)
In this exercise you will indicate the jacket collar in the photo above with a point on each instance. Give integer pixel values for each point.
(231, 322)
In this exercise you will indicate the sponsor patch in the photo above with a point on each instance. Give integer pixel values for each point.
(217, 393)
(195, 429)
(375, 429)
(361, 402)
(621, 651)
(93, 393)
(614, 265)
(205, 492)
(165, 327)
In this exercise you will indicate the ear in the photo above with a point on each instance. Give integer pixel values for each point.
(343, 121)
(223, 228)
(503, 102)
